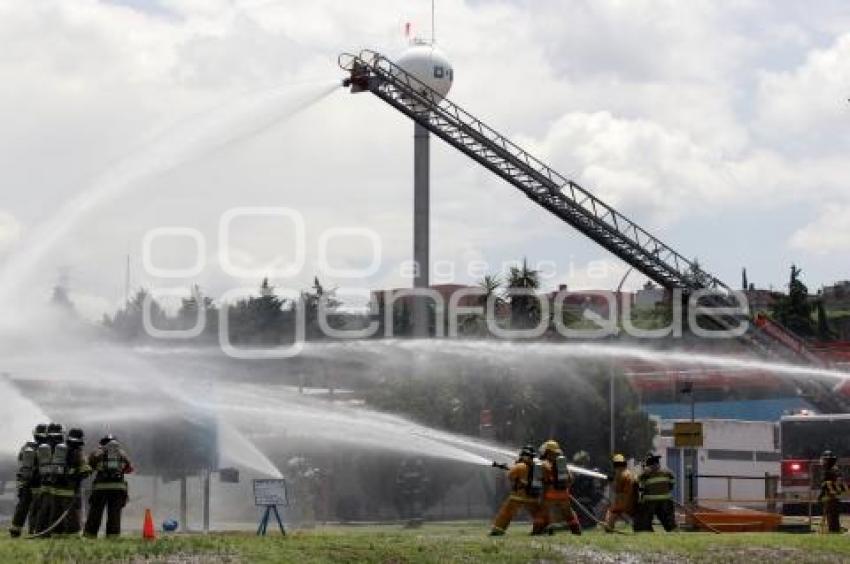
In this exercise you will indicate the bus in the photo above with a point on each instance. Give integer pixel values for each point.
(802, 439)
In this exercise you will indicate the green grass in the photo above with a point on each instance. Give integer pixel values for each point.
(436, 543)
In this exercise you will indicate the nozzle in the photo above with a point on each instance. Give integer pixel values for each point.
(500, 465)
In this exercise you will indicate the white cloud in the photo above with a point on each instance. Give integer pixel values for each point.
(650, 104)
(807, 108)
(637, 164)
(828, 233)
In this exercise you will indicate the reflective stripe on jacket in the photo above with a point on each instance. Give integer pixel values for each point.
(657, 485)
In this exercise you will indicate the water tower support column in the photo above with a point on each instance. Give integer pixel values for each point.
(421, 226)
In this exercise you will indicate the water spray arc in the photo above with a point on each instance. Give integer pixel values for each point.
(406, 92)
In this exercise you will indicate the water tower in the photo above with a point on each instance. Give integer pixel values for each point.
(428, 64)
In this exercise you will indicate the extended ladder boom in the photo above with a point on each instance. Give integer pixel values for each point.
(371, 71)
(546, 187)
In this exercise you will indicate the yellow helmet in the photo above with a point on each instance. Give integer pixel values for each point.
(550, 446)
(618, 459)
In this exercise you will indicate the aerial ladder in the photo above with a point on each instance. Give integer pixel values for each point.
(370, 71)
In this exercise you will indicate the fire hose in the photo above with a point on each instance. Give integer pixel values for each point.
(49, 529)
(593, 517)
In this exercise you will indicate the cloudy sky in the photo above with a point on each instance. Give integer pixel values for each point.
(723, 127)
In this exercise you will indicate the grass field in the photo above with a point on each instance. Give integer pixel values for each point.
(436, 543)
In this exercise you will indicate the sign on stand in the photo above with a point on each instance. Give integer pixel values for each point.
(687, 434)
(270, 494)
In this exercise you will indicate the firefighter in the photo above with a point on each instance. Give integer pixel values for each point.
(526, 476)
(66, 488)
(623, 493)
(557, 480)
(655, 486)
(51, 465)
(25, 480)
(37, 487)
(411, 482)
(832, 487)
(109, 489)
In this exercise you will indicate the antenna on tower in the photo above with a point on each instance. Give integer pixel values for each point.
(433, 21)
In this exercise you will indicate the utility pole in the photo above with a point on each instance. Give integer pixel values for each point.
(613, 445)
(205, 476)
(611, 401)
(184, 504)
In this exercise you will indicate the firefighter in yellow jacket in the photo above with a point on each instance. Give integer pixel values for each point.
(526, 476)
(557, 480)
(623, 493)
(831, 489)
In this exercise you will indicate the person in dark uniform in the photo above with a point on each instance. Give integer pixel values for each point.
(411, 481)
(831, 489)
(109, 489)
(37, 487)
(66, 490)
(26, 474)
(51, 466)
(655, 485)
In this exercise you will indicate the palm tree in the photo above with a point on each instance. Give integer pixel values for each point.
(490, 285)
(525, 309)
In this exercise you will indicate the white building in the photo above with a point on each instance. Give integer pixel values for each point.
(746, 451)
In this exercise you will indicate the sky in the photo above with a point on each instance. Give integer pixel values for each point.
(721, 127)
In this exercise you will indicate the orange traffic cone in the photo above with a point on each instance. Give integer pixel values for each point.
(148, 530)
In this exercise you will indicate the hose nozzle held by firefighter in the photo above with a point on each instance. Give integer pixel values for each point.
(500, 465)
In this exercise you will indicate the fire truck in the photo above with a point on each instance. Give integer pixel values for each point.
(803, 438)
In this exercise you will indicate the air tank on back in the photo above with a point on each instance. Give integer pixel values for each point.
(426, 62)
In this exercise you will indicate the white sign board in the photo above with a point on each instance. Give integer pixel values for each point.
(270, 492)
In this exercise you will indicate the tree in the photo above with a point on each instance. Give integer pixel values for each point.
(310, 301)
(128, 322)
(260, 319)
(525, 308)
(187, 315)
(529, 402)
(794, 311)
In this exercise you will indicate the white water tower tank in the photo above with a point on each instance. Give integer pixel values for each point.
(429, 64)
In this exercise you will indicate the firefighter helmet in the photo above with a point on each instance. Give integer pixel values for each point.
(652, 458)
(828, 457)
(40, 432)
(76, 437)
(550, 446)
(55, 433)
(107, 438)
(527, 452)
(618, 460)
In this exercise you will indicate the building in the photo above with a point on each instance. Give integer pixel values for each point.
(836, 296)
(594, 301)
(650, 296)
(761, 300)
(730, 467)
